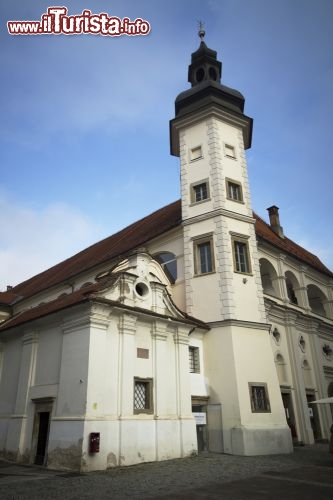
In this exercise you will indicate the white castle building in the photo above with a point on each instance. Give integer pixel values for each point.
(199, 327)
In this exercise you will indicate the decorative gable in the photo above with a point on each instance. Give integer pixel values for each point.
(140, 282)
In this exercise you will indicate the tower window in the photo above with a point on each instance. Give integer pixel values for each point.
(196, 153)
(203, 256)
(241, 255)
(200, 74)
(199, 192)
(194, 359)
(212, 74)
(234, 190)
(229, 151)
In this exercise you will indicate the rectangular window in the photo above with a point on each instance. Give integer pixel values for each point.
(204, 263)
(229, 151)
(199, 191)
(241, 254)
(234, 190)
(196, 153)
(143, 396)
(205, 257)
(259, 398)
(194, 359)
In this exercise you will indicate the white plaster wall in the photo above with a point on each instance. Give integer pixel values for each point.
(73, 372)
(236, 356)
(198, 380)
(12, 350)
(47, 365)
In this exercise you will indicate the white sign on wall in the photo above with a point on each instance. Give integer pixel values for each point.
(200, 418)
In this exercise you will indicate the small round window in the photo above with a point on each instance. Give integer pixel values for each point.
(141, 289)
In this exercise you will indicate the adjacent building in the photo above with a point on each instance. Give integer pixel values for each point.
(199, 327)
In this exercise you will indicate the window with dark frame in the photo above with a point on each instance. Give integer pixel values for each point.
(143, 396)
(194, 359)
(200, 192)
(203, 254)
(241, 256)
(234, 191)
(259, 398)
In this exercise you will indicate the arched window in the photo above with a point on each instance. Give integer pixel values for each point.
(307, 377)
(302, 343)
(316, 300)
(292, 287)
(276, 336)
(268, 278)
(281, 369)
(168, 261)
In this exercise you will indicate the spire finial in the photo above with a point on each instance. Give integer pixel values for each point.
(201, 31)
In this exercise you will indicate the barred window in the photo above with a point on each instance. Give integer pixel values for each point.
(143, 395)
(194, 359)
(259, 398)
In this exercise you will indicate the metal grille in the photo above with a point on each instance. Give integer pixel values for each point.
(259, 398)
(140, 395)
(194, 359)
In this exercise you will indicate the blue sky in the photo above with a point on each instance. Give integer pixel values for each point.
(84, 120)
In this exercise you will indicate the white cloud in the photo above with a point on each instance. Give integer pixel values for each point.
(34, 239)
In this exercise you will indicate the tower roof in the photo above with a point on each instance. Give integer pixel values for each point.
(207, 92)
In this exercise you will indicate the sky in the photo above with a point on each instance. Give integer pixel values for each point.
(84, 120)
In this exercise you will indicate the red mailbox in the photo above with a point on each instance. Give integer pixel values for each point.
(94, 439)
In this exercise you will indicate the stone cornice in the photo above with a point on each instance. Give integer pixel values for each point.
(253, 325)
(219, 212)
(226, 115)
(313, 324)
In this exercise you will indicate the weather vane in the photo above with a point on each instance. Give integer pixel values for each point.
(201, 31)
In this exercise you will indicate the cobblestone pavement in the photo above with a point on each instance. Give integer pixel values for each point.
(306, 474)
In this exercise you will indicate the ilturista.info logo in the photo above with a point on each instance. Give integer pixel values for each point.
(57, 22)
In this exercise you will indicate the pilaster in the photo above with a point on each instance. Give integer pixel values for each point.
(127, 328)
(304, 429)
(17, 424)
(159, 336)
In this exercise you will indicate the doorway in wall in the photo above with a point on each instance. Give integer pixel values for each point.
(200, 415)
(314, 417)
(41, 427)
(289, 411)
(330, 394)
(43, 431)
